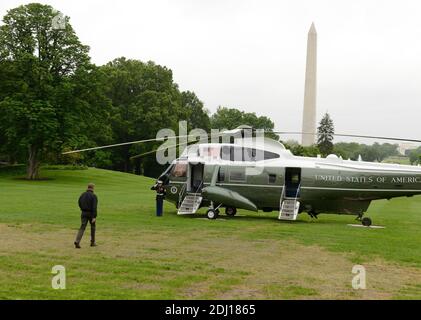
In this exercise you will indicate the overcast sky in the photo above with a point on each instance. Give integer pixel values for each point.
(251, 54)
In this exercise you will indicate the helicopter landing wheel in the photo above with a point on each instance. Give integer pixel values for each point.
(230, 211)
(212, 214)
(366, 221)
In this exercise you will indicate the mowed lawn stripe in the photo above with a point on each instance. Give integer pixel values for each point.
(141, 256)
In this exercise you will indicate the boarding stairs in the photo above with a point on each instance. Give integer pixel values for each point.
(289, 207)
(191, 203)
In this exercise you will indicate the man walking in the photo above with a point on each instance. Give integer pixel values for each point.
(88, 202)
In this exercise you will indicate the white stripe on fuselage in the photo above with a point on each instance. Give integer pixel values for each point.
(357, 189)
(310, 188)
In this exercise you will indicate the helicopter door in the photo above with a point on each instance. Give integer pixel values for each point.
(292, 182)
(196, 181)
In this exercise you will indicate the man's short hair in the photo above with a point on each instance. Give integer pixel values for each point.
(91, 186)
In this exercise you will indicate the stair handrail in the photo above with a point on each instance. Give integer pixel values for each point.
(298, 191)
(182, 191)
(296, 195)
(195, 194)
(282, 197)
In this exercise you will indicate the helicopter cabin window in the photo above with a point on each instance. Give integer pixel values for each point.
(226, 153)
(258, 155)
(211, 152)
(237, 175)
(180, 170)
(270, 155)
(272, 178)
(246, 154)
(231, 153)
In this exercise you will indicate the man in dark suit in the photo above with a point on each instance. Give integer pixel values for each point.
(88, 203)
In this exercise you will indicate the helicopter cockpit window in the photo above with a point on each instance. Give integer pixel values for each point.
(180, 169)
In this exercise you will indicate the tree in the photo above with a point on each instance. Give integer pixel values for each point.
(415, 155)
(298, 150)
(385, 150)
(325, 133)
(347, 150)
(44, 104)
(197, 115)
(376, 152)
(231, 118)
(145, 99)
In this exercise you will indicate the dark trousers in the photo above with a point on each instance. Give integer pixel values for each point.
(85, 217)
(159, 205)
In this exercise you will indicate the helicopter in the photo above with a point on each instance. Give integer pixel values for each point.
(261, 174)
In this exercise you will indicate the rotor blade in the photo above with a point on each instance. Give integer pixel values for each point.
(123, 144)
(146, 153)
(141, 141)
(352, 136)
(155, 150)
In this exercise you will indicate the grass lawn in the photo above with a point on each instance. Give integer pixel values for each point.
(398, 160)
(141, 256)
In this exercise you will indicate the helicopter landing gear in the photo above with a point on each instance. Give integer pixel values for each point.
(312, 214)
(366, 221)
(212, 212)
(230, 211)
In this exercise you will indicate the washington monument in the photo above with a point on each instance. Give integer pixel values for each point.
(309, 112)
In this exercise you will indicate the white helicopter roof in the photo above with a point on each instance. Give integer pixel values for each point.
(210, 153)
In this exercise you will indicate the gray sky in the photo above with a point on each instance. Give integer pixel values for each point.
(251, 54)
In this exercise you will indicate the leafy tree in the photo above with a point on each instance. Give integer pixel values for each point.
(414, 156)
(369, 153)
(325, 133)
(231, 118)
(44, 100)
(145, 99)
(195, 113)
(376, 152)
(347, 150)
(299, 150)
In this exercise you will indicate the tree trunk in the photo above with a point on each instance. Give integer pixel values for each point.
(33, 164)
(126, 159)
(138, 166)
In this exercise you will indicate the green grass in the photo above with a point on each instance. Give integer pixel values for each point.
(141, 256)
(397, 160)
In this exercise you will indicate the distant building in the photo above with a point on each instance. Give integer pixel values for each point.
(405, 147)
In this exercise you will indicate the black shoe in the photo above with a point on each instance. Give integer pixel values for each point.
(93, 244)
(77, 246)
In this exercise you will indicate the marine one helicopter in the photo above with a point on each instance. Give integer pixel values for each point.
(245, 173)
